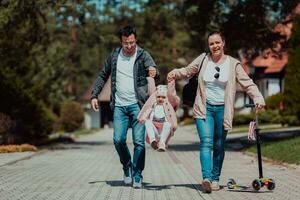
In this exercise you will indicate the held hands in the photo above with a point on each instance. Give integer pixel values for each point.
(142, 121)
(171, 76)
(152, 72)
(94, 104)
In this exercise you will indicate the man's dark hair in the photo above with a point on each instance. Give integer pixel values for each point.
(126, 31)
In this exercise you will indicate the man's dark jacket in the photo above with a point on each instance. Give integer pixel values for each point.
(140, 71)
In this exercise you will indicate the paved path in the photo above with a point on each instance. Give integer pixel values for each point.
(90, 169)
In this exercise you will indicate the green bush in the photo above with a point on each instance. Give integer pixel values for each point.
(290, 120)
(239, 118)
(71, 116)
(269, 116)
(273, 102)
(33, 119)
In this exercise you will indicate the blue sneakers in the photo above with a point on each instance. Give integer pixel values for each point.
(137, 182)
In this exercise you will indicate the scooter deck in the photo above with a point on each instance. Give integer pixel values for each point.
(238, 187)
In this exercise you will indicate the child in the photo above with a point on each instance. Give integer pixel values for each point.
(159, 116)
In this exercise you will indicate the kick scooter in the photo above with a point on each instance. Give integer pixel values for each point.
(257, 184)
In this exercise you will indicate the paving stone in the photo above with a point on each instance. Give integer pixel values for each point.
(90, 169)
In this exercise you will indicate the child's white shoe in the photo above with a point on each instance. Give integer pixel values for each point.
(161, 147)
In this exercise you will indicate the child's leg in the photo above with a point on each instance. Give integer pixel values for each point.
(165, 133)
(152, 132)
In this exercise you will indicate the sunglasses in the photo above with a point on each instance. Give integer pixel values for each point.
(217, 75)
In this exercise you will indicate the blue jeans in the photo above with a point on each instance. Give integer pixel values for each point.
(125, 117)
(212, 141)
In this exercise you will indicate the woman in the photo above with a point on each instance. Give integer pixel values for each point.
(214, 103)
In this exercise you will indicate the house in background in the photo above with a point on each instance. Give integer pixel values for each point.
(270, 70)
(267, 70)
(100, 119)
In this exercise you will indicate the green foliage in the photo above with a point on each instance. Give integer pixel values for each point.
(33, 119)
(248, 25)
(200, 17)
(292, 76)
(274, 101)
(72, 116)
(72, 55)
(269, 116)
(290, 120)
(239, 118)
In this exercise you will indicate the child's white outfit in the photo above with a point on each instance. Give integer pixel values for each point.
(160, 119)
(157, 124)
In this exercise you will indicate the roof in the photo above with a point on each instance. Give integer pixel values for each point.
(274, 60)
(104, 94)
(273, 64)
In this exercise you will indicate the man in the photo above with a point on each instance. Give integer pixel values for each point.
(128, 66)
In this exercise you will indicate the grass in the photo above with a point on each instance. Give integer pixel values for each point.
(263, 127)
(285, 151)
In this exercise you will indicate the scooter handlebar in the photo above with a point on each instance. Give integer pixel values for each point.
(251, 105)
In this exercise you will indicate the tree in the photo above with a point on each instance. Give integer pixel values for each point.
(201, 17)
(22, 28)
(73, 53)
(292, 76)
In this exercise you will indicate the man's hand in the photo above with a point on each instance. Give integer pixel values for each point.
(142, 121)
(94, 104)
(171, 76)
(152, 72)
(259, 107)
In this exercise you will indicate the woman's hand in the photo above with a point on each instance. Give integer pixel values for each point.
(259, 107)
(171, 76)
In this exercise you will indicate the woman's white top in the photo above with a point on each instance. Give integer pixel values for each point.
(215, 87)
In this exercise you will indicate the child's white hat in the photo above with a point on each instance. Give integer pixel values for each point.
(161, 90)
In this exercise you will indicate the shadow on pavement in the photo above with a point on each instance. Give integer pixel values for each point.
(73, 145)
(184, 147)
(251, 191)
(149, 186)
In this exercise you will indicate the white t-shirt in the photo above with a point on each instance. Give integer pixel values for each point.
(215, 87)
(158, 113)
(125, 94)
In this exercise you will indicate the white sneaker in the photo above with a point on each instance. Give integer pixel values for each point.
(206, 186)
(215, 186)
(161, 147)
(127, 177)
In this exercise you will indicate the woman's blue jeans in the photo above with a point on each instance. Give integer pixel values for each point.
(123, 118)
(212, 141)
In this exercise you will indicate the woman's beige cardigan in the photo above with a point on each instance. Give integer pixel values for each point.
(237, 75)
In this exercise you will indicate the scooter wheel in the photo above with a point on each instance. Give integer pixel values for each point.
(271, 184)
(256, 184)
(231, 183)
